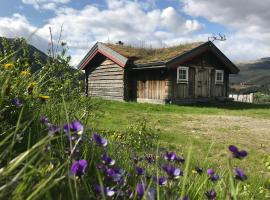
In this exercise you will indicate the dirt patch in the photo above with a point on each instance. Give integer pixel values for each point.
(245, 131)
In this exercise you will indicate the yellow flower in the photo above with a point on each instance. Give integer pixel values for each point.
(25, 73)
(44, 97)
(8, 66)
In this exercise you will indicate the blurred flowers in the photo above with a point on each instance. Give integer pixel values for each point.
(99, 140)
(237, 153)
(44, 97)
(239, 174)
(17, 102)
(78, 168)
(8, 66)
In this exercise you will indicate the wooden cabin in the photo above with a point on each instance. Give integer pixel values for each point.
(184, 73)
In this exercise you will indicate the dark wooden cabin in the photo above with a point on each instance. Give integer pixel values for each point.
(184, 73)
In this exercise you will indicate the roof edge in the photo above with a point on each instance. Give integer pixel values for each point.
(104, 50)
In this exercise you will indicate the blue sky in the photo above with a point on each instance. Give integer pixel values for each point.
(157, 23)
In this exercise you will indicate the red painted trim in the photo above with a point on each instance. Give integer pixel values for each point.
(105, 54)
(112, 58)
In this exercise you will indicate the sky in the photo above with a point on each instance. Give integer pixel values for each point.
(155, 23)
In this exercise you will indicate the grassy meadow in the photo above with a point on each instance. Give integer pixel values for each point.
(210, 129)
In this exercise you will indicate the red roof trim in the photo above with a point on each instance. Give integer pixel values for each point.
(105, 54)
(112, 58)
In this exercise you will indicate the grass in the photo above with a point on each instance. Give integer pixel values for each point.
(202, 126)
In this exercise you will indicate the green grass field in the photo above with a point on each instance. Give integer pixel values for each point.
(202, 126)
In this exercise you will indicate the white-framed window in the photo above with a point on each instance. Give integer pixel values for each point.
(219, 76)
(182, 74)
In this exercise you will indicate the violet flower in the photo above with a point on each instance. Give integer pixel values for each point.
(139, 171)
(236, 153)
(170, 156)
(53, 129)
(106, 191)
(199, 170)
(78, 168)
(180, 159)
(44, 120)
(211, 194)
(74, 126)
(172, 172)
(99, 140)
(239, 174)
(141, 189)
(161, 180)
(17, 102)
(115, 174)
(212, 175)
(107, 160)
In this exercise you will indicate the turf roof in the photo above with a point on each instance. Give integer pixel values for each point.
(152, 55)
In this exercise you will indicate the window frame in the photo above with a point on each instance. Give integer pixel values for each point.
(222, 77)
(178, 75)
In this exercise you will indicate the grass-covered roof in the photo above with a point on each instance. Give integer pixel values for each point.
(151, 55)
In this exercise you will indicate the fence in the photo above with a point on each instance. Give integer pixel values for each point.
(246, 98)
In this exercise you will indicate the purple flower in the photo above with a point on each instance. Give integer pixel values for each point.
(161, 180)
(99, 140)
(44, 120)
(139, 171)
(107, 160)
(141, 189)
(210, 172)
(236, 153)
(74, 126)
(199, 170)
(211, 194)
(115, 174)
(53, 129)
(239, 174)
(172, 172)
(170, 156)
(107, 191)
(78, 167)
(149, 158)
(180, 159)
(17, 102)
(212, 175)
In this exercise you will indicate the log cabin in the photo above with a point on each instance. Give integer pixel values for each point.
(185, 73)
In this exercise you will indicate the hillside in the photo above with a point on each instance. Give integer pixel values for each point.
(11, 44)
(256, 72)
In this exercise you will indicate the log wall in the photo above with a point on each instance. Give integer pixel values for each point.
(106, 81)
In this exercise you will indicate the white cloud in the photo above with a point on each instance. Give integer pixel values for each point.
(45, 4)
(19, 26)
(247, 20)
(122, 20)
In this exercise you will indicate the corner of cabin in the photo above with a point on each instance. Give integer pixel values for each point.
(105, 79)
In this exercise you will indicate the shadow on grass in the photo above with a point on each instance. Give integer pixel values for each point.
(231, 105)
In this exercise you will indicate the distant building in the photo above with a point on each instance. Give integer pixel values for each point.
(181, 73)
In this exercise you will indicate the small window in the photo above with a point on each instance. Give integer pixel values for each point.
(219, 76)
(182, 74)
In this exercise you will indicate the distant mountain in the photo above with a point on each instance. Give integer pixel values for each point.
(33, 52)
(254, 74)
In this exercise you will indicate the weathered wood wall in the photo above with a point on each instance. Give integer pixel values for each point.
(152, 86)
(201, 82)
(106, 80)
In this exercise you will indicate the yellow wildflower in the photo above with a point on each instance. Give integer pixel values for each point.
(31, 87)
(25, 73)
(44, 97)
(8, 66)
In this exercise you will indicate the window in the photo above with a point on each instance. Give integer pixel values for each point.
(182, 74)
(219, 76)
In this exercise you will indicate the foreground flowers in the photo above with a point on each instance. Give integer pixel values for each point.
(99, 140)
(237, 153)
(78, 168)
